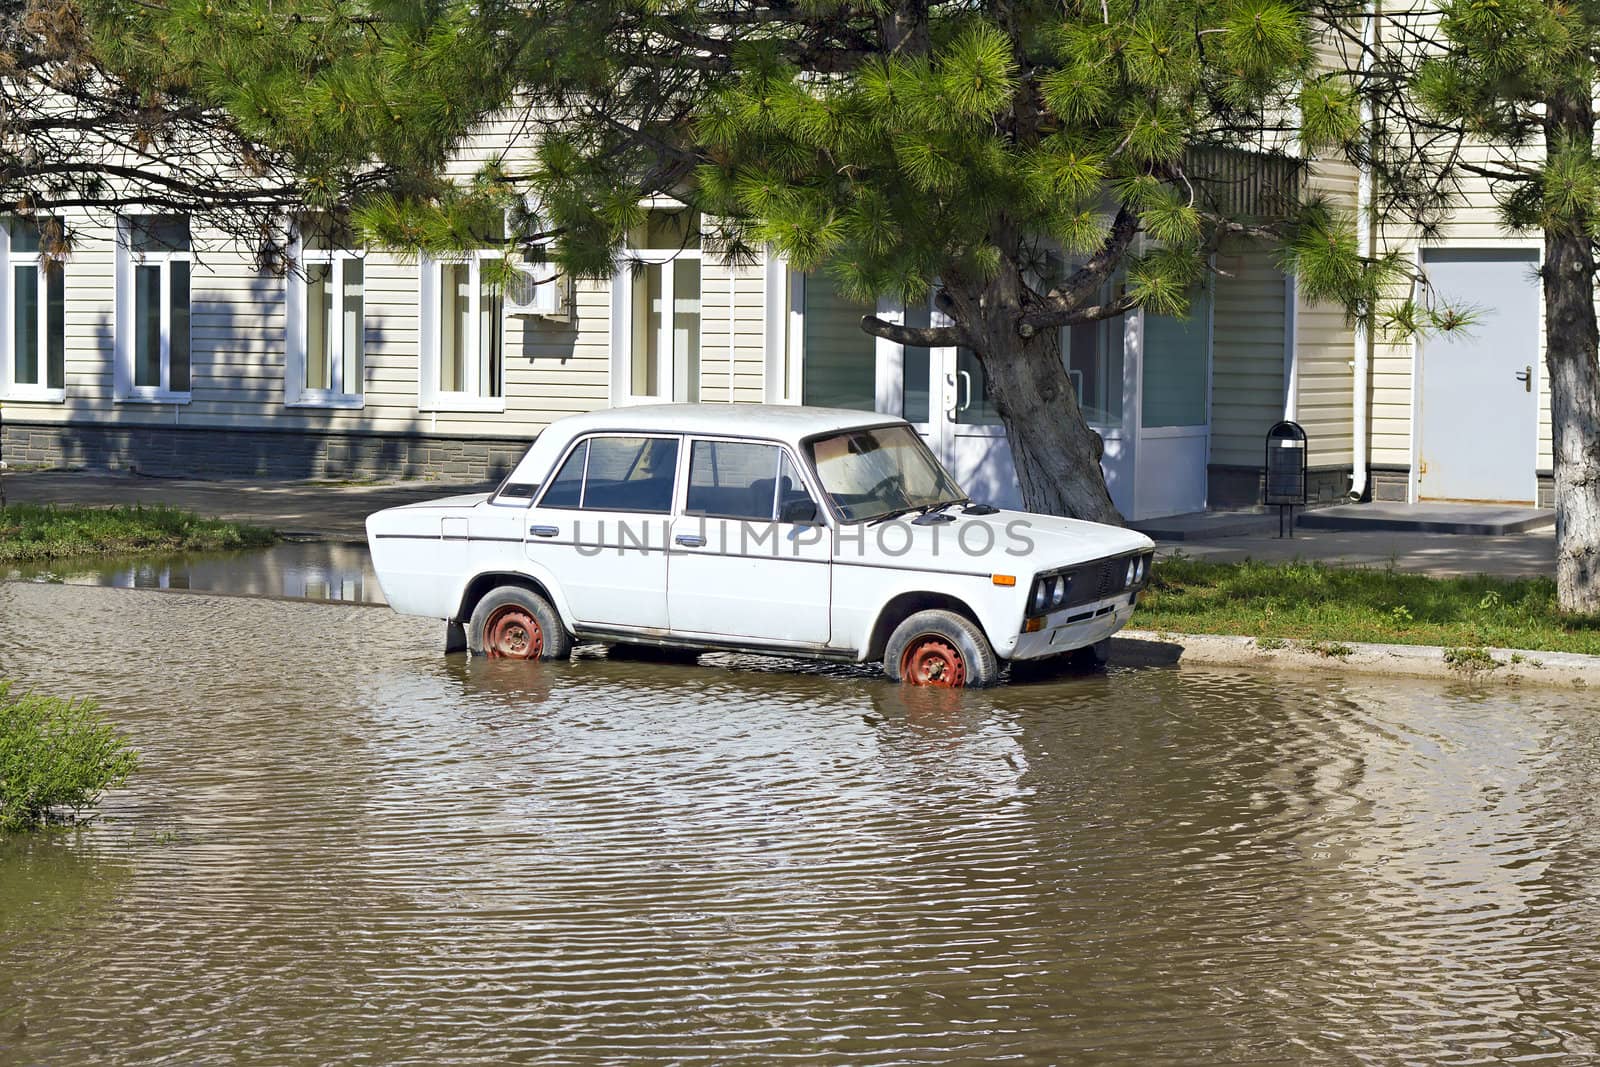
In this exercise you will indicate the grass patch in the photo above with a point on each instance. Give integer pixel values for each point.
(1470, 660)
(56, 758)
(1320, 607)
(33, 532)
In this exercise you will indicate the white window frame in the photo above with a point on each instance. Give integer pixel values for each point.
(127, 260)
(672, 376)
(10, 388)
(429, 396)
(295, 391)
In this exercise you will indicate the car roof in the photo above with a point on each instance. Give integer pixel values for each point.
(785, 422)
(772, 422)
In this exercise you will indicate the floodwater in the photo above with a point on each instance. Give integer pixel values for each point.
(344, 847)
(296, 570)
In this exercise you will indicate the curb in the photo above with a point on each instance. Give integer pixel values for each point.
(1503, 666)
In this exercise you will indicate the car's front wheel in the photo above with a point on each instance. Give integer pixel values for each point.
(517, 623)
(940, 648)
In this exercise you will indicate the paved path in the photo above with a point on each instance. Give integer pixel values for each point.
(327, 511)
(1511, 555)
(336, 512)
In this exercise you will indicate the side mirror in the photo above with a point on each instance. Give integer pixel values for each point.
(799, 513)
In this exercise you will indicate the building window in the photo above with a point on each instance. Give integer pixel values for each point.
(655, 317)
(1093, 352)
(840, 367)
(326, 322)
(33, 342)
(817, 352)
(1176, 371)
(463, 334)
(152, 322)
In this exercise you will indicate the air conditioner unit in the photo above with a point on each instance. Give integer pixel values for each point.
(536, 289)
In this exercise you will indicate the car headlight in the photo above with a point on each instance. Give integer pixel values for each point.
(1058, 591)
(1130, 574)
(1040, 598)
(1138, 570)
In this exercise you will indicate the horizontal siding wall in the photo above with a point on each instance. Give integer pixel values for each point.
(1325, 347)
(553, 367)
(1247, 349)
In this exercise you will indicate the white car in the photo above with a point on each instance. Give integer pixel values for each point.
(756, 528)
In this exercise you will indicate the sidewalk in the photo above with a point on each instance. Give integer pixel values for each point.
(1442, 555)
(298, 509)
(1231, 536)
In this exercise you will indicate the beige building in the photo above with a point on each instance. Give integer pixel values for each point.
(156, 347)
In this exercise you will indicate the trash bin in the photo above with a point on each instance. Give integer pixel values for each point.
(1286, 471)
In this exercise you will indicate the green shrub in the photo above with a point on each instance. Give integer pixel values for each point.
(56, 758)
(30, 533)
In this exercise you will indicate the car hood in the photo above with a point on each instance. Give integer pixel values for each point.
(1007, 542)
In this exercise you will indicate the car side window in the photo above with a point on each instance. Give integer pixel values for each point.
(566, 488)
(733, 480)
(630, 474)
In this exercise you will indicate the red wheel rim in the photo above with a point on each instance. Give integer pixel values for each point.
(512, 632)
(931, 660)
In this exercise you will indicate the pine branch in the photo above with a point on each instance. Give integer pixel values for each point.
(915, 336)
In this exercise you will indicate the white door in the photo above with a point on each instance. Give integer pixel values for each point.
(601, 526)
(1478, 423)
(733, 561)
(1174, 434)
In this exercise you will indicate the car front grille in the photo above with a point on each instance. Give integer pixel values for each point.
(1100, 580)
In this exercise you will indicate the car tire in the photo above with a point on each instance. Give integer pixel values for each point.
(940, 648)
(512, 622)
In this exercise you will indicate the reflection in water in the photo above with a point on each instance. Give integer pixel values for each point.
(344, 846)
(300, 571)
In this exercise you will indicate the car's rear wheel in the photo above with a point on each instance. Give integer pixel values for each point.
(940, 648)
(517, 623)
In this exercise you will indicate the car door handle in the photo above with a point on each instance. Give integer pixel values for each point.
(1525, 376)
(543, 531)
(690, 540)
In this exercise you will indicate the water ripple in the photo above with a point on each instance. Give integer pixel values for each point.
(344, 847)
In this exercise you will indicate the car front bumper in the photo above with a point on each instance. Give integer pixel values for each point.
(1076, 627)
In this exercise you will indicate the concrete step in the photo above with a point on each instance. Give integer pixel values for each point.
(1484, 520)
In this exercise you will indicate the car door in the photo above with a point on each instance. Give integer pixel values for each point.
(600, 527)
(749, 558)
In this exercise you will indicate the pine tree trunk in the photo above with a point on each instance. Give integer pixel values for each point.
(1571, 361)
(1574, 368)
(1057, 455)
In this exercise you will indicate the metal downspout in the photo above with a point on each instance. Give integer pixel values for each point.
(1365, 243)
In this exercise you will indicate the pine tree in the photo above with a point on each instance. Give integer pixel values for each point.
(1025, 164)
(79, 131)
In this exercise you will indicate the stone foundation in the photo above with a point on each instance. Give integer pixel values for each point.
(173, 451)
(1243, 487)
(1391, 484)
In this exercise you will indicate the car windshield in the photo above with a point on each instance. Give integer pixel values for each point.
(870, 474)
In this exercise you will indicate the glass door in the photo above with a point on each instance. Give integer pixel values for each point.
(1174, 412)
(944, 393)
(975, 447)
